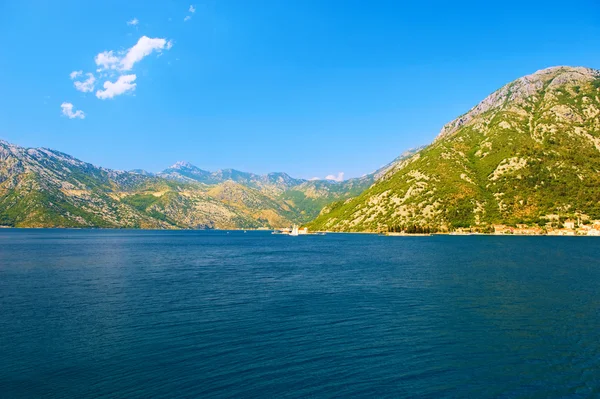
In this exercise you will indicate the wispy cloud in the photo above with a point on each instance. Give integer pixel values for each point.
(86, 85)
(67, 110)
(145, 46)
(106, 60)
(192, 10)
(123, 85)
(339, 177)
(133, 22)
(75, 74)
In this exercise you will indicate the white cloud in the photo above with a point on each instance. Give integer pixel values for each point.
(122, 85)
(144, 47)
(133, 22)
(314, 178)
(87, 85)
(339, 177)
(113, 65)
(192, 10)
(67, 110)
(107, 60)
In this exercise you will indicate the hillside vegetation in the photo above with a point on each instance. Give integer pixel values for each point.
(40, 187)
(528, 153)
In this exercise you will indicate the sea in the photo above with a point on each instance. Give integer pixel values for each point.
(233, 314)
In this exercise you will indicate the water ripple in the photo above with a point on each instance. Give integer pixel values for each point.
(137, 314)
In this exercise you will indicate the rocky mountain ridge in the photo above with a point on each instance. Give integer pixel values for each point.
(529, 153)
(40, 187)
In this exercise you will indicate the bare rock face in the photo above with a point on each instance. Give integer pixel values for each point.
(522, 89)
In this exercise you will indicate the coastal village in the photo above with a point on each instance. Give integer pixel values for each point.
(580, 225)
(569, 227)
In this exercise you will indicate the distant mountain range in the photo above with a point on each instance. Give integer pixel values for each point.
(529, 153)
(40, 187)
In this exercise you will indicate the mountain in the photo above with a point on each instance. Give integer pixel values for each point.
(45, 188)
(186, 172)
(40, 187)
(142, 172)
(528, 153)
(308, 197)
(272, 182)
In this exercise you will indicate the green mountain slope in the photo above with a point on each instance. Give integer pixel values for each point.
(305, 198)
(46, 188)
(529, 153)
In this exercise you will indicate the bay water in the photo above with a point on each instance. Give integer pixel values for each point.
(139, 314)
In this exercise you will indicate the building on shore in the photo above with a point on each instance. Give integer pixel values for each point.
(569, 224)
(501, 229)
(562, 232)
(521, 229)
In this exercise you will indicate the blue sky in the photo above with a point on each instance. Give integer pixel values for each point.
(309, 87)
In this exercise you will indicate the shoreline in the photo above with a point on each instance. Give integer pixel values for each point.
(312, 233)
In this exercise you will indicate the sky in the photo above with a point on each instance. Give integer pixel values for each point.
(313, 88)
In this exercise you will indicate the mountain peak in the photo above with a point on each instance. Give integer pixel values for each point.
(563, 69)
(182, 165)
(519, 91)
(4, 143)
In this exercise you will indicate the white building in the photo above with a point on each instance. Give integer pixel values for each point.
(569, 224)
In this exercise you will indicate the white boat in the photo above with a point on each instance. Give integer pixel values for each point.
(294, 230)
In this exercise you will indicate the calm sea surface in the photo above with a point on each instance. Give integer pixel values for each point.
(140, 314)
